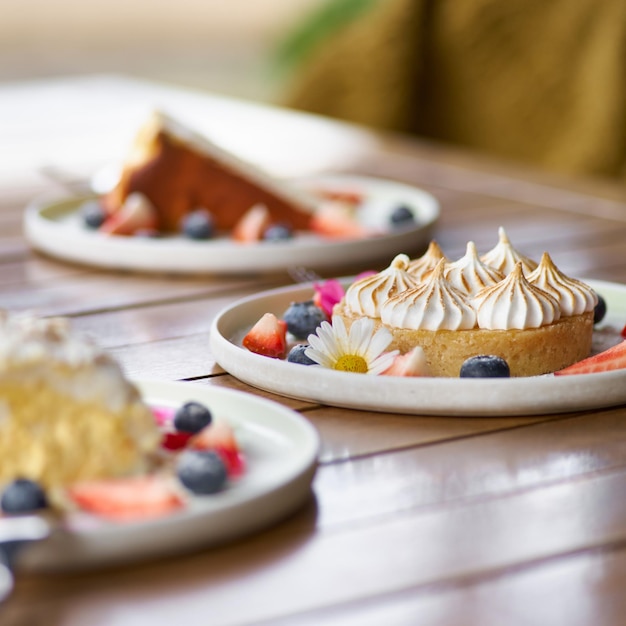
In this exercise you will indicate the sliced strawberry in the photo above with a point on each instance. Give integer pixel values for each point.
(219, 436)
(623, 333)
(412, 363)
(612, 359)
(341, 195)
(175, 440)
(337, 221)
(136, 214)
(126, 499)
(268, 337)
(252, 224)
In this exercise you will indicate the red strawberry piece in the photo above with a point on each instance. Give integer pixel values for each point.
(268, 337)
(252, 224)
(175, 440)
(126, 499)
(346, 196)
(337, 221)
(219, 436)
(612, 359)
(412, 363)
(136, 214)
(623, 333)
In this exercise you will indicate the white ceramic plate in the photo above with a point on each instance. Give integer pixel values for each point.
(416, 396)
(55, 227)
(281, 450)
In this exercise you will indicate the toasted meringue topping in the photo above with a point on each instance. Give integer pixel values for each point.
(574, 296)
(365, 296)
(432, 305)
(427, 262)
(514, 303)
(469, 274)
(504, 256)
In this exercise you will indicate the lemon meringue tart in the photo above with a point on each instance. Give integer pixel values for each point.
(532, 315)
(67, 412)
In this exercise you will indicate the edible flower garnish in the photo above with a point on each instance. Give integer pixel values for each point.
(361, 350)
(330, 292)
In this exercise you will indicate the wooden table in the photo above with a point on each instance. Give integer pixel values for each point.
(412, 520)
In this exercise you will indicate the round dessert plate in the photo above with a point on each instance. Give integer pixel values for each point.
(281, 450)
(55, 228)
(416, 396)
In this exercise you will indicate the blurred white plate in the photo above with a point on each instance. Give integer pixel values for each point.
(55, 227)
(416, 396)
(280, 448)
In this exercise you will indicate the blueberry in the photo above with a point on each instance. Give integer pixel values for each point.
(303, 318)
(297, 355)
(485, 366)
(600, 311)
(192, 417)
(23, 495)
(201, 471)
(278, 232)
(402, 216)
(92, 214)
(198, 224)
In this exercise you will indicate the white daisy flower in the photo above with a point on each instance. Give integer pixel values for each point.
(361, 350)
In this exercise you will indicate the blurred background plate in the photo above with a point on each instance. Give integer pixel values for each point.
(55, 228)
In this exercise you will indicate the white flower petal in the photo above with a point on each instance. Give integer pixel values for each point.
(381, 363)
(379, 343)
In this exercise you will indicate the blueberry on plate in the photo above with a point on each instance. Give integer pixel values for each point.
(201, 471)
(192, 417)
(23, 495)
(402, 216)
(92, 214)
(303, 318)
(278, 232)
(297, 355)
(485, 366)
(600, 310)
(198, 224)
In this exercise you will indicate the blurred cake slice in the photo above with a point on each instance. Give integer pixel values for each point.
(67, 412)
(179, 171)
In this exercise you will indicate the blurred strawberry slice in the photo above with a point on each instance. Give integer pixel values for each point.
(252, 224)
(137, 213)
(219, 436)
(337, 221)
(126, 499)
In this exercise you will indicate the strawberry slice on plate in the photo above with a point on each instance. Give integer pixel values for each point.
(136, 214)
(268, 337)
(219, 436)
(126, 499)
(337, 221)
(412, 363)
(252, 224)
(612, 359)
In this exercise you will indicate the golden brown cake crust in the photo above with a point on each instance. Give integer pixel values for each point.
(529, 352)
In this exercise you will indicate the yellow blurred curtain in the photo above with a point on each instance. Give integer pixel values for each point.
(540, 81)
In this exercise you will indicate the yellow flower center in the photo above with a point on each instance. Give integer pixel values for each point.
(351, 363)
